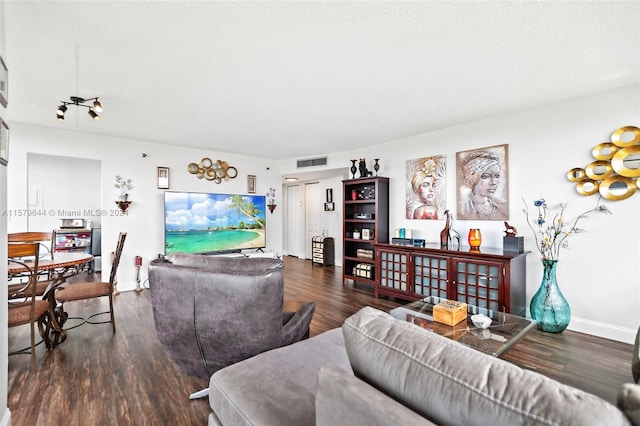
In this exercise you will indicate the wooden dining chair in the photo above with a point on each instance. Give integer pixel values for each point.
(47, 243)
(24, 305)
(91, 290)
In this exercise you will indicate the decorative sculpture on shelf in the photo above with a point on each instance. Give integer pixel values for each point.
(510, 231)
(444, 234)
(448, 234)
(363, 168)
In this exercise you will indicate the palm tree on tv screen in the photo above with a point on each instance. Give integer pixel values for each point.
(247, 208)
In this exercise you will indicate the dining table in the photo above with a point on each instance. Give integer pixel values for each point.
(59, 267)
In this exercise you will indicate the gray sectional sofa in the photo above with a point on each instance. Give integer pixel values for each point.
(377, 370)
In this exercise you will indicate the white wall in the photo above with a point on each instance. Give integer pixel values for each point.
(5, 413)
(64, 185)
(144, 221)
(600, 275)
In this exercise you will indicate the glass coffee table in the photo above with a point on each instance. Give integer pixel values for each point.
(504, 331)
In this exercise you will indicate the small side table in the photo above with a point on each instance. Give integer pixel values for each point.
(322, 251)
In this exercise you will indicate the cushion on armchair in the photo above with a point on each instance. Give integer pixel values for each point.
(210, 312)
(449, 383)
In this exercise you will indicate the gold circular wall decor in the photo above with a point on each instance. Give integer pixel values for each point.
(212, 171)
(192, 168)
(576, 174)
(599, 170)
(616, 137)
(604, 151)
(617, 188)
(624, 159)
(587, 187)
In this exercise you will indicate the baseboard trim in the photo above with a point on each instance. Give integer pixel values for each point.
(607, 331)
(6, 418)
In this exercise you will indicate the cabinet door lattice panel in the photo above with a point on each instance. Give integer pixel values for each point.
(478, 284)
(393, 273)
(430, 276)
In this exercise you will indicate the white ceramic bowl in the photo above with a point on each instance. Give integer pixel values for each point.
(481, 321)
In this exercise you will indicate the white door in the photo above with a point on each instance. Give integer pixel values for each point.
(312, 215)
(295, 222)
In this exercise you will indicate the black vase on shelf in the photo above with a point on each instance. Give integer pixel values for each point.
(376, 166)
(354, 169)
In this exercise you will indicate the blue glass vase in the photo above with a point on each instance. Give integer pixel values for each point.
(548, 306)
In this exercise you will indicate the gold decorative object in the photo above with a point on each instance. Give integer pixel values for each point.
(599, 170)
(616, 137)
(616, 172)
(576, 175)
(618, 188)
(209, 170)
(624, 157)
(604, 151)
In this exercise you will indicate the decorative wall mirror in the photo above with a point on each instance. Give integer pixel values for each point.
(626, 162)
(617, 188)
(616, 172)
(599, 170)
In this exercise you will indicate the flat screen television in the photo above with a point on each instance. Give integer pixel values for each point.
(197, 222)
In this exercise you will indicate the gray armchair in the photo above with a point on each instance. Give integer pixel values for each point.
(211, 312)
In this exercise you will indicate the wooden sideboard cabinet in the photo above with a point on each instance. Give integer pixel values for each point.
(365, 222)
(488, 278)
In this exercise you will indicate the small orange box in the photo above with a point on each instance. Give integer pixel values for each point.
(450, 312)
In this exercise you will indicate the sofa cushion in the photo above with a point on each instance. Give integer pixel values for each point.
(629, 402)
(225, 263)
(276, 387)
(343, 399)
(449, 383)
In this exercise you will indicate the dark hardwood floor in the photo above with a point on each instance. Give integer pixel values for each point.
(99, 378)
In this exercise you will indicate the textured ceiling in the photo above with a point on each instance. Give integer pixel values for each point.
(298, 79)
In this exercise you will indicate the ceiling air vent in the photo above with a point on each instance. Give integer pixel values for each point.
(322, 161)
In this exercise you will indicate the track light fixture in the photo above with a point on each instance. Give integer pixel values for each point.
(77, 101)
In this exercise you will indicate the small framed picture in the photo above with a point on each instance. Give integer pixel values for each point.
(163, 178)
(4, 83)
(329, 207)
(329, 195)
(251, 184)
(4, 142)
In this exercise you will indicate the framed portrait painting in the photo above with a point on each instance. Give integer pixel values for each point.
(4, 83)
(251, 184)
(483, 183)
(163, 178)
(426, 188)
(4, 142)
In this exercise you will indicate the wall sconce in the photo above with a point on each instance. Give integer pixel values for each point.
(94, 109)
(123, 205)
(123, 185)
(271, 202)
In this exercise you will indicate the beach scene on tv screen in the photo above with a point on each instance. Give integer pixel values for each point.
(201, 222)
